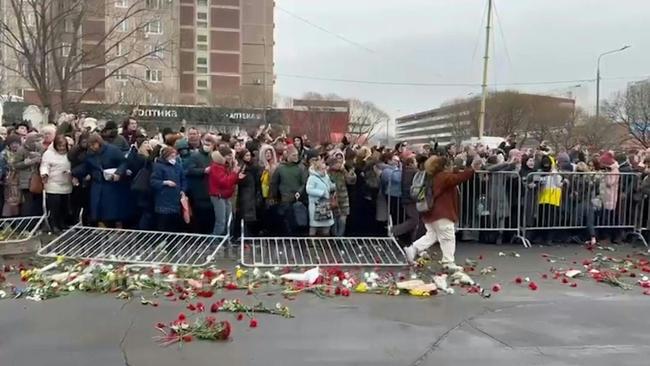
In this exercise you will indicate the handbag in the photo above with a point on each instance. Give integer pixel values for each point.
(323, 210)
(141, 181)
(300, 214)
(36, 183)
(187, 209)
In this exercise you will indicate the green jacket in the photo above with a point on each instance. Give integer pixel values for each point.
(341, 179)
(288, 179)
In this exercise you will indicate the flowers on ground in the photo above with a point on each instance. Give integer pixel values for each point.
(182, 330)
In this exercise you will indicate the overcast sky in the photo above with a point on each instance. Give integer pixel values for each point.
(441, 41)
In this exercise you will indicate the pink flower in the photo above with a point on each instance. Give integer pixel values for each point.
(181, 317)
(496, 287)
(253, 323)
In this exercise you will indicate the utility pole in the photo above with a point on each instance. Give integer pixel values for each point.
(598, 76)
(486, 56)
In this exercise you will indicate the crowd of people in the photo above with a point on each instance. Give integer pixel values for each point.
(205, 182)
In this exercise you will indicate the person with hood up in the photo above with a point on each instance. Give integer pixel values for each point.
(609, 190)
(341, 179)
(26, 163)
(183, 150)
(169, 185)
(564, 163)
(106, 165)
(11, 180)
(224, 175)
(197, 172)
(56, 174)
(110, 136)
(249, 192)
(268, 160)
(319, 190)
(439, 221)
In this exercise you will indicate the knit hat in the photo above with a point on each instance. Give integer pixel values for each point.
(110, 125)
(13, 139)
(181, 144)
(225, 151)
(311, 154)
(607, 159)
(166, 152)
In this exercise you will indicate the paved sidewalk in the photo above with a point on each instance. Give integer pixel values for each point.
(591, 324)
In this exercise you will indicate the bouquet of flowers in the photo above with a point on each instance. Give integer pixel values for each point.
(181, 330)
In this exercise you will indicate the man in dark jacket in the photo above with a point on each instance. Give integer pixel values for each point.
(408, 226)
(287, 187)
(196, 171)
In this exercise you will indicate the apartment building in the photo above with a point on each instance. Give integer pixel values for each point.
(190, 52)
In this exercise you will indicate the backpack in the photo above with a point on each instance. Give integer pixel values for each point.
(422, 191)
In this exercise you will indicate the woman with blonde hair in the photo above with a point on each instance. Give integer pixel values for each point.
(268, 160)
(319, 190)
(439, 221)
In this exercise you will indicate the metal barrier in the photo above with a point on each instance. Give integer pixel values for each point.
(136, 246)
(490, 201)
(579, 201)
(19, 235)
(320, 251)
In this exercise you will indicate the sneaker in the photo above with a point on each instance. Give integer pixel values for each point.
(452, 267)
(410, 253)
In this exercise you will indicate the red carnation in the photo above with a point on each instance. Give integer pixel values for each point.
(6, 268)
(574, 285)
(160, 325)
(231, 286)
(200, 306)
(181, 317)
(169, 294)
(240, 316)
(496, 287)
(182, 297)
(205, 293)
(215, 307)
(518, 280)
(565, 280)
(337, 291)
(632, 274)
(480, 257)
(154, 304)
(210, 321)
(345, 292)
(532, 286)
(225, 333)
(191, 307)
(253, 323)
(165, 269)
(187, 338)
(208, 274)
(544, 276)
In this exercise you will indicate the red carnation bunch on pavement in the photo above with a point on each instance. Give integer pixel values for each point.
(533, 286)
(519, 280)
(496, 287)
(181, 331)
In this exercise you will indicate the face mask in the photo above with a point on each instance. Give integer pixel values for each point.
(172, 161)
(207, 148)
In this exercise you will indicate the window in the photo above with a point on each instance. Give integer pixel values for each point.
(118, 49)
(65, 49)
(153, 4)
(202, 41)
(122, 3)
(201, 61)
(68, 26)
(121, 75)
(202, 2)
(123, 26)
(154, 27)
(202, 20)
(155, 76)
(202, 84)
(154, 51)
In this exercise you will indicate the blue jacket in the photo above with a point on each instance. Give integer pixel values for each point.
(167, 200)
(391, 181)
(197, 180)
(319, 187)
(109, 200)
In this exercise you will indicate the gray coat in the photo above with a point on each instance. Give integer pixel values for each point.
(28, 160)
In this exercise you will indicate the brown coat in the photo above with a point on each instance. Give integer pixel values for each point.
(445, 204)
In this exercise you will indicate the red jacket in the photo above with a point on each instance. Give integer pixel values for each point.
(445, 194)
(222, 181)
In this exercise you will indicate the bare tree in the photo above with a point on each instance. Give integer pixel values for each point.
(631, 110)
(366, 119)
(64, 53)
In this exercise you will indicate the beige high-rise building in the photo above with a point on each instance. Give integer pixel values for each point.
(201, 52)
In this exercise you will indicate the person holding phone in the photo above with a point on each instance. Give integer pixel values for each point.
(224, 175)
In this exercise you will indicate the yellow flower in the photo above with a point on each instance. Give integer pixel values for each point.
(362, 287)
(416, 292)
(240, 273)
(60, 259)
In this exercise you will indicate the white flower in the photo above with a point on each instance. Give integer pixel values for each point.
(644, 278)
(54, 284)
(2, 294)
(449, 291)
(414, 276)
(345, 283)
(278, 306)
(527, 279)
(157, 270)
(185, 325)
(256, 272)
(502, 254)
(335, 279)
(270, 275)
(144, 277)
(366, 275)
(70, 288)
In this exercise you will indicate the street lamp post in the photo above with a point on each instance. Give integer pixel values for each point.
(598, 76)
